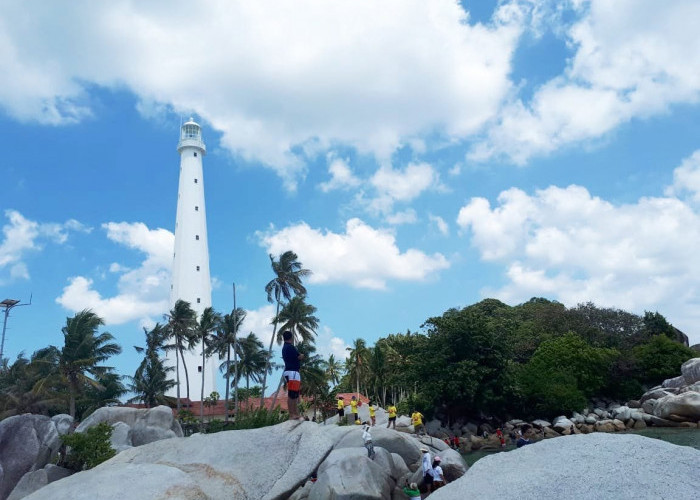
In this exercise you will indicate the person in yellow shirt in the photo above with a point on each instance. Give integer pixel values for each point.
(417, 421)
(341, 408)
(372, 411)
(392, 416)
(353, 409)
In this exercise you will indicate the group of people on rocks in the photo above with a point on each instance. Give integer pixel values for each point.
(433, 476)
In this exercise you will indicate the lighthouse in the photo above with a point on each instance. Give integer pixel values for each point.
(190, 274)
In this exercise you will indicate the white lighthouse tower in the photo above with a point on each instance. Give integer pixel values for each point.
(190, 275)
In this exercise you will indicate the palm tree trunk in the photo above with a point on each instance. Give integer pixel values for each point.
(269, 357)
(274, 396)
(177, 377)
(201, 399)
(187, 377)
(228, 380)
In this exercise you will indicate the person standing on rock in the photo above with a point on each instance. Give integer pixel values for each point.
(392, 416)
(439, 479)
(372, 413)
(417, 421)
(367, 438)
(353, 409)
(341, 408)
(292, 364)
(428, 471)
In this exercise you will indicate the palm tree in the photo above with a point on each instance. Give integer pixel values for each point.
(298, 317)
(357, 363)
(287, 282)
(150, 382)
(206, 326)
(313, 373)
(83, 349)
(181, 321)
(252, 359)
(22, 389)
(334, 369)
(222, 342)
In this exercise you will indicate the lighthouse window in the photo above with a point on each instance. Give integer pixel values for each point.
(197, 268)
(198, 300)
(196, 237)
(195, 181)
(196, 208)
(195, 153)
(199, 369)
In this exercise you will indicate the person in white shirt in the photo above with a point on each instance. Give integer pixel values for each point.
(439, 477)
(428, 472)
(367, 438)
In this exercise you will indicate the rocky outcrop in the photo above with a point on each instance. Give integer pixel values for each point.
(681, 407)
(27, 443)
(37, 479)
(267, 463)
(529, 472)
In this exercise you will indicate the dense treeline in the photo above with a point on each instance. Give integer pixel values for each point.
(535, 359)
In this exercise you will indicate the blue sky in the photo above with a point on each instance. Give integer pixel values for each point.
(416, 155)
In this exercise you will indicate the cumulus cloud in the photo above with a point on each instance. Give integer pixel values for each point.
(440, 224)
(686, 178)
(143, 291)
(567, 244)
(386, 73)
(394, 185)
(341, 176)
(362, 257)
(22, 236)
(632, 60)
(328, 343)
(407, 216)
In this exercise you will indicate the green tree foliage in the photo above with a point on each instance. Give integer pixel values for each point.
(88, 449)
(151, 380)
(298, 317)
(661, 358)
(563, 373)
(181, 325)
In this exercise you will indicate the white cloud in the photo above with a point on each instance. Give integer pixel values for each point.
(142, 292)
(271, 76)
(328, 343)
(401, 185)
(686, 178)
(259, 321)
(362, 257)
(632, 59)
(440, 224)
(341, 176)
(566, 244)
(22, 236)
(407, 216)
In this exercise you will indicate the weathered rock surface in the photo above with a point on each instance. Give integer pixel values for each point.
(63, 423)
(210, 466)
(146, 425)
(691, 371)
(27, 443)
(529, 472)
(348, 473)
(685, 405)
(37, 479)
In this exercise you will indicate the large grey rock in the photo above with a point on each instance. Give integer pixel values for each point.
(63, 423)
(540, 423)
(266, 463)
(147, 425)
(691, 371)
(648, 405)
(37, 479)
(121, 437)
(403, 444)
(528, 472)
(653, 394)
(675, 382)
(27, 443)
(591, 419)
(622, 413)
(686, 405)
(562, 424)
(348, 474)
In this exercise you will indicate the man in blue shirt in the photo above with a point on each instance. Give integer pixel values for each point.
(292, 362)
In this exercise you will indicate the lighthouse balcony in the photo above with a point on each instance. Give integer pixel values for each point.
(194, 143)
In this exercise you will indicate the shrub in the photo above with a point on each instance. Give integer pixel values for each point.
(88, 449)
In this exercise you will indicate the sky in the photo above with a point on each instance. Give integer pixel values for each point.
(417, 156)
